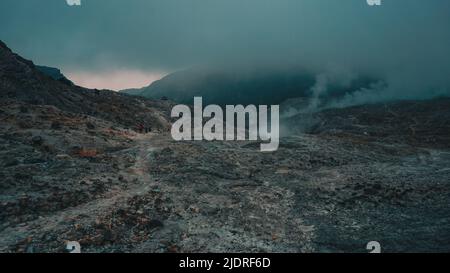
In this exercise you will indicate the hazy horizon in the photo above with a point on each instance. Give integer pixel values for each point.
(127, 44)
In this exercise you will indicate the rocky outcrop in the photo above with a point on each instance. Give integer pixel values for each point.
(54, 73)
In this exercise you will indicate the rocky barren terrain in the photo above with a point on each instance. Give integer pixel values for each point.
(73, 168)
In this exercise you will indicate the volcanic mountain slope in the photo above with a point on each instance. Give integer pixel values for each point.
(21, 80)
(366, 173)
(224, 85)
(419, 123)
(54, 73)
(63, 145)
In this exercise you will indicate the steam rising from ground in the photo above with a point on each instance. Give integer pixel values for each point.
(403, 42)
(412, 85)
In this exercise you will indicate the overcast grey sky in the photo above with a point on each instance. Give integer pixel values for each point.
(148, 38)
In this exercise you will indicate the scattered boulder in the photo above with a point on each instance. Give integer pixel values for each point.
(90, 125)
(37, 141)
(56, 125)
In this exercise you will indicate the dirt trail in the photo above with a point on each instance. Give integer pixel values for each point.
(139, 173)
(313, 195)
